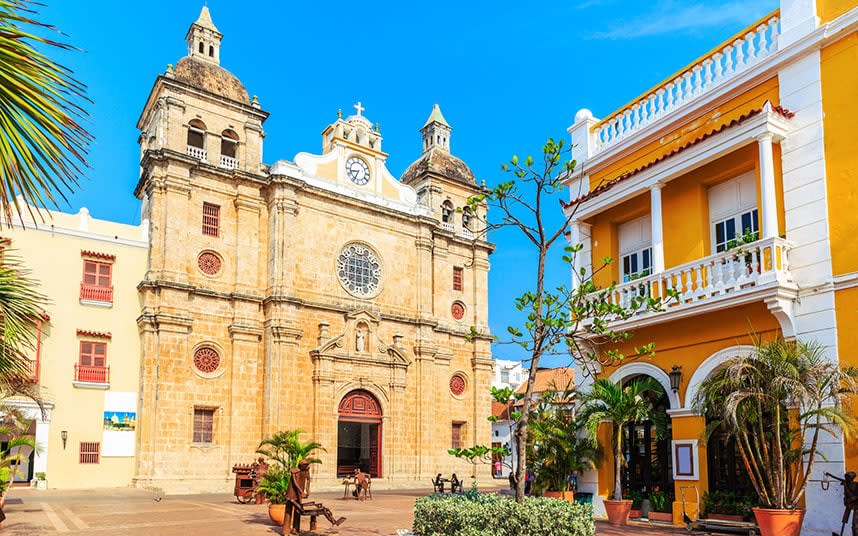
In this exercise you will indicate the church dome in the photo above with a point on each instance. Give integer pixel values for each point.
(210, 77)
(439, 162)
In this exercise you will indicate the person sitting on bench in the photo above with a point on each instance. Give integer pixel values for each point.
(299, 489)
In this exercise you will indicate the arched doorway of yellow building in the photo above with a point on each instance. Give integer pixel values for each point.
(646, 448)
(359, 430)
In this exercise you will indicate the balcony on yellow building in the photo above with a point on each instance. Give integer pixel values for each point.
(99, 375)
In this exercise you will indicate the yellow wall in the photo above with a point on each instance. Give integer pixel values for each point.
(54, 256)
(604, 238)
(839, 89)
(706, 123)
(831, 9)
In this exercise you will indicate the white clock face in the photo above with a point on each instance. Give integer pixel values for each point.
(357, 170)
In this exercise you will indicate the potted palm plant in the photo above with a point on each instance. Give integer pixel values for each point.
(777, 401)
(621, 404)
(285, 449)
(557, 452)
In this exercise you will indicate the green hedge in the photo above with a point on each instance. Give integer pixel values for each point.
(492, 515)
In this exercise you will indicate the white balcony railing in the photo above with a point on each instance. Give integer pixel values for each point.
(447, 226)
(228, 162)
(701, 77)
(467, 233)
(738, 270)
(196, 152)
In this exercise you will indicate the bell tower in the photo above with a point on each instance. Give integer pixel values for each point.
(204, 39)
(436, 131)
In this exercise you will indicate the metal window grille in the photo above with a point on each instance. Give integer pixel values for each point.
(90, 451)
(211, 219)
(457, 278)
(203, 425)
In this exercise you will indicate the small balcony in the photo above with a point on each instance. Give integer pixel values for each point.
(91, 375)
(197, 152)
(467, 233)
(447, 226)
(758, 271)
(96, 294)
(228, 162)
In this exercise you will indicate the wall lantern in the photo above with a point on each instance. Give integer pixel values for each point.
(675, 377)
(65, 436)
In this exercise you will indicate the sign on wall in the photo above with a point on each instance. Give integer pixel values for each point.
(120, 421)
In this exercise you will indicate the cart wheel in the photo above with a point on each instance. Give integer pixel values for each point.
(245, 497)
(689, 527)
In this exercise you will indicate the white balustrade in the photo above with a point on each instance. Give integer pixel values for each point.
(731, 272)
(447, 226)
(196, 152)
(467, 233)
(228, 162)
(698, 79)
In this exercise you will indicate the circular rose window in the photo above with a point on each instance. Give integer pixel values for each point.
(359, 270)
(457, 384)
(209, 263)
(206, 359)
(458, 310)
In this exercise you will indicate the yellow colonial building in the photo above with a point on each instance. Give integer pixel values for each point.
(753, 140)
(319, 293)
(87, 360)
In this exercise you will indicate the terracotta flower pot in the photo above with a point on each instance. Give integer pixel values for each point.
(779, 522)
(567, 496)
(618, 511)
(277, 513)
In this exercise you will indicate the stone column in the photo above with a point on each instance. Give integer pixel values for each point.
(687, 425)
(482, 367)
(769, 206)
(424, 375)
(247, 207)
(244, 404)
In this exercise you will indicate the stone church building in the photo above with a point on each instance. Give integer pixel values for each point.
(319, 293)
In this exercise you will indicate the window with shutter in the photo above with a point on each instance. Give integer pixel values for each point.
(90, 451)
(211, 219)
(458, 278)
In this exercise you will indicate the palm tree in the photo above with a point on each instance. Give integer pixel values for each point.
(776, 402)
(42, 152)
(42, 146)
(287, 449)
(621, 405)
(21, 306)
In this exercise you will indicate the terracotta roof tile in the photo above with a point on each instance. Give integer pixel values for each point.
(551, 378)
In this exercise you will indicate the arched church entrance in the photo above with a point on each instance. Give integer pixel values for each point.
(359, 434)
(649, 464)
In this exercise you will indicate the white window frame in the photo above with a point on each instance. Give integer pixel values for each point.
(741, 195)
(635, 247)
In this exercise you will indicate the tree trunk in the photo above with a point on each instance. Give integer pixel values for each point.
(618, 463)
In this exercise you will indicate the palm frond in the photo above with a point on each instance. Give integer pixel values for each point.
(42, 146)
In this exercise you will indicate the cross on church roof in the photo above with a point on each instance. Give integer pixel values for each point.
(359, 108)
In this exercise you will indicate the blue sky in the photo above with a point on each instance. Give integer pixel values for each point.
(507, 74)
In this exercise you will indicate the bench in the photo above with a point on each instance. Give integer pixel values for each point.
(293, 508)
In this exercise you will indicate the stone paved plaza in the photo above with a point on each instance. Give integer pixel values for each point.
(136, 512)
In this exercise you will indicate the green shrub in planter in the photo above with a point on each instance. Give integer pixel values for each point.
(492, 515)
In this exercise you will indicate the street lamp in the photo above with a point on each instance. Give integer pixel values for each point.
(65, 436)
(675, 378)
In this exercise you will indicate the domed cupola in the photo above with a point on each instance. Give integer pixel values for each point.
(436, 158)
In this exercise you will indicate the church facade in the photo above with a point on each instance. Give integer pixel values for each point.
(320, 294)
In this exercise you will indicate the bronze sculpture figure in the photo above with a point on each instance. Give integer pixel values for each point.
(850, 500)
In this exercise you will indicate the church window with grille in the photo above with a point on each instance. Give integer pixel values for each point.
(204, 425)
(90, 451)
(211, 219)
(458, 430)
(359, 270)
(458, 278)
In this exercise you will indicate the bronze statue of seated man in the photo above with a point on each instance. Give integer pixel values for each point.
(299, 489)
